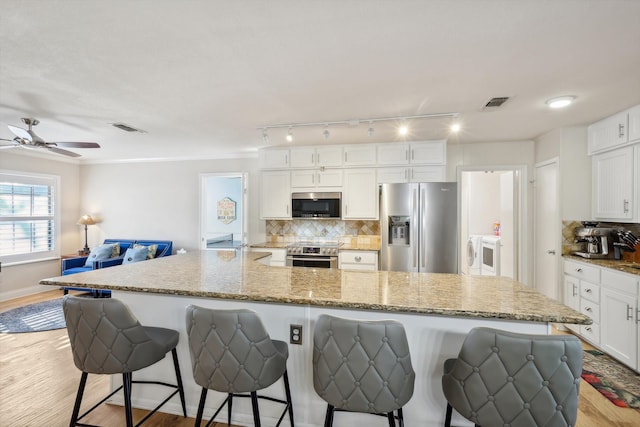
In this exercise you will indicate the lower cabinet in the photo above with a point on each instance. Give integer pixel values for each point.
(611, 299)
(358, 260)
(278, 256)
(619, 311)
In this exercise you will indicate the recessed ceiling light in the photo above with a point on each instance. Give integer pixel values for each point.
(560, 102)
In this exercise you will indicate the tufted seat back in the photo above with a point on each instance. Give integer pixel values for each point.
(502, 378)
(106, 338)
(362, 366)
(231, 351)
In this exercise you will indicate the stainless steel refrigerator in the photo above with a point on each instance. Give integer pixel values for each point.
(419, 227)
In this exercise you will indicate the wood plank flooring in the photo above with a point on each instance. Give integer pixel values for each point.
(38, 383)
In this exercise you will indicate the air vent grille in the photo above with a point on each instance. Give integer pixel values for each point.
(126, 127)
(496, 102)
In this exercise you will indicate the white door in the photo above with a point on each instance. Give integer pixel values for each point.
(547, 228)
(222, 218)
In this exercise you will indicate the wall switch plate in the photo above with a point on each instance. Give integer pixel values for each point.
(295, 334)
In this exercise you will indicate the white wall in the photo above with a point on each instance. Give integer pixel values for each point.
(159, 200)
(18, 280)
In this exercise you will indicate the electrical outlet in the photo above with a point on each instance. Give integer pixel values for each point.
(295, 334)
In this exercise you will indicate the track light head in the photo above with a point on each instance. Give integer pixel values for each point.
(326, 134)
(403, 130)
(370, 131)
(265, 136)
(290, 135)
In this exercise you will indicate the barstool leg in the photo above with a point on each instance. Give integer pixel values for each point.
(400, 418)
(328, 419)
(392, 420)
(256, 411)
(76, 407)
(203, 398)
(229, 405)
(176, 365)
(126, 386)
(447, 417)
(287, 392)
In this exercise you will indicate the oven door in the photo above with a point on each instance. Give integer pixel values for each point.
(312, 261)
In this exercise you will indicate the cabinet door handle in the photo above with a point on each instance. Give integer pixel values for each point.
(313, 179)
(551, 252)
(413, 155)
(629, 312)
(345, 157)
(406, 155)
(588, 328)
(620, 130)
(358, 259)
(579, 270)
(588, 309)
(626, 206)
(575, 290)
(318, 158)
(286, 159)
(638, 315)
(588, 290)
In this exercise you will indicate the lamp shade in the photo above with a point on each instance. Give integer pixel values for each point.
(86, 220)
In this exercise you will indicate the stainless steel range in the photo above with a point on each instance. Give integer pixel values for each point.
(312, 254)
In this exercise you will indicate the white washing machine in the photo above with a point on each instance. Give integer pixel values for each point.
(474, 255)
(490, 255)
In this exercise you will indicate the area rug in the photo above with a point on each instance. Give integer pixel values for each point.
(41, 316)
(613, 380)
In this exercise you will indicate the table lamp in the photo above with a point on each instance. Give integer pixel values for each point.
(86, 220)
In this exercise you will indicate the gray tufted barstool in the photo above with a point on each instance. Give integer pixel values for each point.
(106, 338)
(231, 352)
(362, 366)
(502, 378)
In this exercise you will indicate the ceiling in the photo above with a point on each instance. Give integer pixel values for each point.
(202, 78)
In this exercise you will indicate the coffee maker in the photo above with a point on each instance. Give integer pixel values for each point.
(596, 241)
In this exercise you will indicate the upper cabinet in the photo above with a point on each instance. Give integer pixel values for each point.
(425, 152)
(360, 155)
(614, 131)
(274, 159)
(360, 194)
(308, 157)
(613, 184)
(275, 195)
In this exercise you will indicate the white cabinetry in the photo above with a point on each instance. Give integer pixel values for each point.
(314, 179)
(360, 194)
(360, 155)
(608, 133)
(634, 124)
(581, 292)
(358, 260)
(274, 159)
(275, 195)
(412, 174)
(613, 178)
(277, 258)
(425, 152)
(307, 157)
(619, 311)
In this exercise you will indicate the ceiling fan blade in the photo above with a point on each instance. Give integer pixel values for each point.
(63, 152)
(21, 133)
(76, 144)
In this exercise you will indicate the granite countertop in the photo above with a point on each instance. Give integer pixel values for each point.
(359, 243)
(270, 245)
(229, 275)
(619, 265)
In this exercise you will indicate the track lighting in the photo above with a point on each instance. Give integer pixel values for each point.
(403, 130)
(326, 134)
(265, 136)
(455, 128)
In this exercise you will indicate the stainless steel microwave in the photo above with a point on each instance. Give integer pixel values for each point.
(316, 205)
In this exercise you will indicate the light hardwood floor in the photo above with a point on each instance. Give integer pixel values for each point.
(38, 383)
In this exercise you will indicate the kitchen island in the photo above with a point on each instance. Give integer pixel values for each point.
(437, 311)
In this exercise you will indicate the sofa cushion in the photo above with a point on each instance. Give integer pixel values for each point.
(151, 250)
(100, 253)
(135, 254)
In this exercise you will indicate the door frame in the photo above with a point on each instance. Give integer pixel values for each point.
(203, 205)
(521, 213)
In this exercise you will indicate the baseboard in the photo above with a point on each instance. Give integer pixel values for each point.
(17, 293)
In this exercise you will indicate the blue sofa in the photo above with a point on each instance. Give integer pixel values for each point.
(77, 265)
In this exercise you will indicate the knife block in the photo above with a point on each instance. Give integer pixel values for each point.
(632, 256)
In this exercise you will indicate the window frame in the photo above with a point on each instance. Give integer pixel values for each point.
(29, 178)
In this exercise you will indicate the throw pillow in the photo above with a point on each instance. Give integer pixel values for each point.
(99, 253)
(152, 250)
(135, 254)
(116, 249)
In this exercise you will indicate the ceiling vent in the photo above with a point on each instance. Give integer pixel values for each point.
(494, 103)
(127, 128)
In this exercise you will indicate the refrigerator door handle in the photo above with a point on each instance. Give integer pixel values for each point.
(423, 234)
(414, 220)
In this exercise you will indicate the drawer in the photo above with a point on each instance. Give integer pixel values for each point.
(623, 282)
(590, 309)
(591, 333)
(583, 271)
(590, 291)
(359, 257)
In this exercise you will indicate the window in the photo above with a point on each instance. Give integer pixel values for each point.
(28, 217)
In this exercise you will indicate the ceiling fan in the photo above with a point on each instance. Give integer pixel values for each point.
(27, 138)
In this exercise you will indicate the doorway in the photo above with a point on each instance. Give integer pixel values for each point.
(223, 198)
(491, 205)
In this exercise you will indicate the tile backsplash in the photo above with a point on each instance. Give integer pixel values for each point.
(300, 229)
